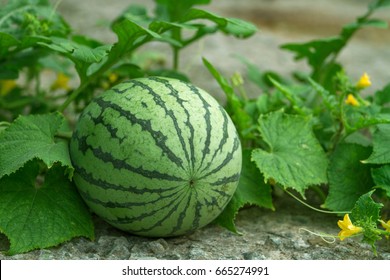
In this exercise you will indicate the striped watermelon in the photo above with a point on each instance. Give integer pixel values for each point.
(156, 157)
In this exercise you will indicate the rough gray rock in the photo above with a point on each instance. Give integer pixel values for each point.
(265, 235)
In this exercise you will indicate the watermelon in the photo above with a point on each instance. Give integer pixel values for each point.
(156, 157)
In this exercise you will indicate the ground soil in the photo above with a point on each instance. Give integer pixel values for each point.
(265, 234)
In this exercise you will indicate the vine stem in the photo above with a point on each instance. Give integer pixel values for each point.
(64, 135)
(328, 238)
(315, 209)
(176, 34)
(74, 95)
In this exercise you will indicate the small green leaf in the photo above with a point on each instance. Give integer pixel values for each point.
(174, 10)
(232, 26)
(329, 100)
(348, 177)
(290, 93)
(40, 212)
(222, 81)
(251, 190)
(381, 144)
(315, 51)
(366, 214)
(30, 137)
(381, 178)
(379, 4)
(295, 158)
(77, 51)
(131, 36)
(366, 210)
(239, 28)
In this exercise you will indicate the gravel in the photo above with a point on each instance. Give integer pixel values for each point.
(265, 235)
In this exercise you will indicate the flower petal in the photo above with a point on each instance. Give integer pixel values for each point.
(364, 81)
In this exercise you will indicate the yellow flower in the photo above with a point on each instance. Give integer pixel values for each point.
(112, 78)
(364, 81)
(6, 86)
(351, 100)
(386, 226)
(61, 82)
(347, 228)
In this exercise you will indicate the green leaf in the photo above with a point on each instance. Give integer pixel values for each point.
(290, 93)
(381, 178)
(328, 99)
(163, 26)
(36, 214)
(366, 214)
(130, 36)
(239, 28)
(232, 26)
(196, 14)
(379, 4)
(251, 190)
(136, 13)
(222, 81)
(77, 51)
(382, 97)
(381, 144)
(366, 210)
(30, 137)
(348, 177)
(295, 159)
(259, 77)
(321, 53)
(173, 10)
(31, 17)
(6, 41)
(315, 51)
(234, 106)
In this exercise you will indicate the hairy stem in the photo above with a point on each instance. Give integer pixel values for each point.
(313, 208)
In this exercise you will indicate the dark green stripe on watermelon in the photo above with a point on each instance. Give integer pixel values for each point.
(88, 178)
(170, 113)
(158, 136)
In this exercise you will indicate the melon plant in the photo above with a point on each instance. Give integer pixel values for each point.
(156, 157)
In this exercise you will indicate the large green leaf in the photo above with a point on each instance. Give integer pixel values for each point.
(39, 212)
(251, 190)
(30, 137)
(295, 159)
(381, 177)
(381, 143)
(348, 177)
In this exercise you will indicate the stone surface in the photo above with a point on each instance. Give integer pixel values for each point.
(266, 234)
